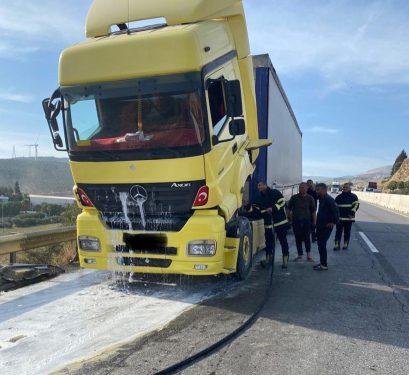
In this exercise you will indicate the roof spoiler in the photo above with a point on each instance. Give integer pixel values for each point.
(105, 13)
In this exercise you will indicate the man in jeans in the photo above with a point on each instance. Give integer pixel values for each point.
(303, 215)
(327, 218)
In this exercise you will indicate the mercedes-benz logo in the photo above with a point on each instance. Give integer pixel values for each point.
(138, 193)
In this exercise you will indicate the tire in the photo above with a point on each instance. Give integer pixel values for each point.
(245, 251)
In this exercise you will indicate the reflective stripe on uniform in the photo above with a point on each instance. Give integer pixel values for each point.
(344, 205)
(268, 227)
(259, 209)
(346, 218)
(355, 206)
(281, 223)
(280, 203)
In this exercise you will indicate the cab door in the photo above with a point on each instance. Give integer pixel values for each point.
(221, 162)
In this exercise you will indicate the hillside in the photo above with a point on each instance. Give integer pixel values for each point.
(41, 176)
(377, 174)
(403, 172)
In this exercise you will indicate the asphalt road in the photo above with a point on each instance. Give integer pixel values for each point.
(352, 319)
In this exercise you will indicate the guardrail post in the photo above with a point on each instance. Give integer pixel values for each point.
(13, 258)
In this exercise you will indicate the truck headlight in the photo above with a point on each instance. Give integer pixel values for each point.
(89, 243)
(201, 248)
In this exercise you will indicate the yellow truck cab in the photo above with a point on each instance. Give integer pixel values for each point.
(160, 125)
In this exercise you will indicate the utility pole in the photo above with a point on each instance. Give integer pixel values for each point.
(35, 150)
(35, 145)
(14, 156)
(3, 200)
(29, 150)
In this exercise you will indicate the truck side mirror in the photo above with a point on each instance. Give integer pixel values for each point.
(233, 98)
(237, 127)
(52, 108)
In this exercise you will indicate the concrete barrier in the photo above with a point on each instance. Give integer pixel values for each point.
(394, 202)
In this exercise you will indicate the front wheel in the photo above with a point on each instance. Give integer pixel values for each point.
(245, 251)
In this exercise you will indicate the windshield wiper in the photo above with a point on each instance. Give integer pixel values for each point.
(163, 151)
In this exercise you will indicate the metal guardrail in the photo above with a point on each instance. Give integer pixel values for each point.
(14, 243)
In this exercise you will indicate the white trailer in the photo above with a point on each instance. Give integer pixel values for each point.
(281, 163)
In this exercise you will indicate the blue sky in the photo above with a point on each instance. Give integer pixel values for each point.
(344, 65)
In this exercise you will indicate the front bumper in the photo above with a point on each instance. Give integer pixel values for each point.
(203, 225)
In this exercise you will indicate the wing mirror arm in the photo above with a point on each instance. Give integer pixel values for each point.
(52, 108)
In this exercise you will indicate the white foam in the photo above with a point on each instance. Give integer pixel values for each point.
(77, 315)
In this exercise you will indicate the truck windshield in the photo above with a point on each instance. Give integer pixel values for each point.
(163, 114)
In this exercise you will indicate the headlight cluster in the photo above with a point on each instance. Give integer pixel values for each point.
(89, 243)
(201, 248)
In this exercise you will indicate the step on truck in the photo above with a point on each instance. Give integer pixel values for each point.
(160, 125)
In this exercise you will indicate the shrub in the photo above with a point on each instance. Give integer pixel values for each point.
(6, 224)
(38, 215)
(49, 209)
(29, 220)
(69, 216)
(10, 208)
(393, 185)
(56, 255)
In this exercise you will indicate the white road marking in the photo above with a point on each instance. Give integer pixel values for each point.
(368, 242)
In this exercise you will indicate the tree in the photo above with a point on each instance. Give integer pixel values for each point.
(398, 162)
(69, 216)
(17, 190)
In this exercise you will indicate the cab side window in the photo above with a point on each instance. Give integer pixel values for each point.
(217, 103)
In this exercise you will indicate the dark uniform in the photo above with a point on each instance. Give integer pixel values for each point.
(278, 221)
(314, 196)
(327, 213)
(348, 205)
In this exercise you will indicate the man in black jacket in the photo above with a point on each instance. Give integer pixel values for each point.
(311, 191)
(303, 216)
(327, 218)
(348, 205)
(271, 205)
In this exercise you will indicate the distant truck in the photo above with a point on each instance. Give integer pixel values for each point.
(372, 187)
(160, 125)
(335, 187)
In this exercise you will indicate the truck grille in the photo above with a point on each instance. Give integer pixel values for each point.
(161, 250)
(144, 262)
(158, 207)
